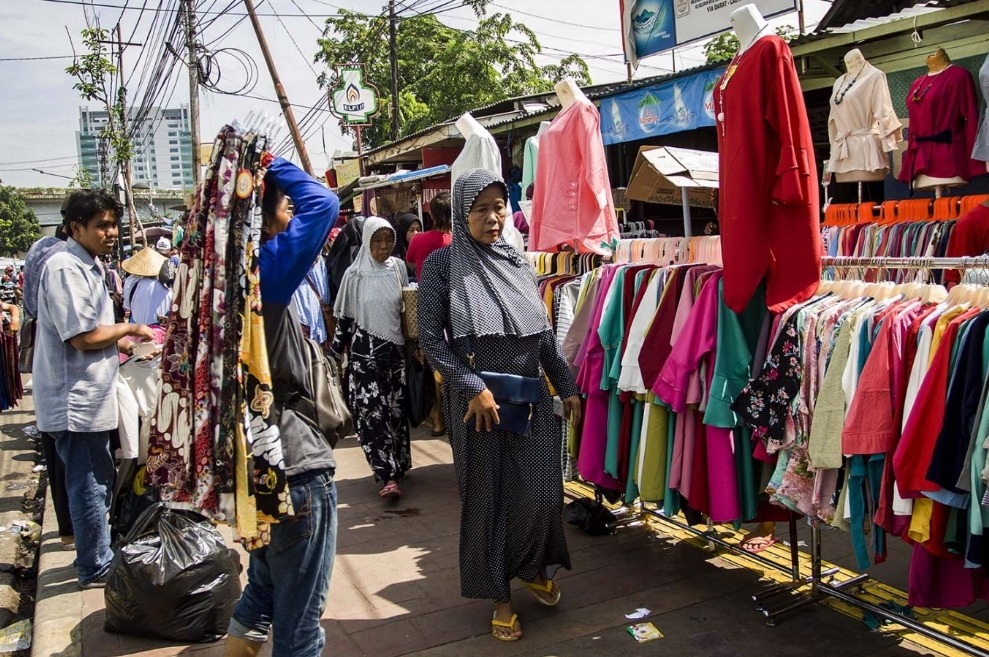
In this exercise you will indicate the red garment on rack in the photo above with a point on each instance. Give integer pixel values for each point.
(769, 212)
(943, 126)
(970, 237)
(912, 457)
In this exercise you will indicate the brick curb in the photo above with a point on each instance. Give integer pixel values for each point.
(58, 604)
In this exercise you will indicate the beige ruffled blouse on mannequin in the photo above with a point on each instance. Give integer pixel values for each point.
(863, 126)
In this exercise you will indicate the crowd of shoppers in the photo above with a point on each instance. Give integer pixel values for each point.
(479, 309)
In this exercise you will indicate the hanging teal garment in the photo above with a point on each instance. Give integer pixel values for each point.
(631, 490)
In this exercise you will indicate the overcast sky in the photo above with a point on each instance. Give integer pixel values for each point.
(39, 110)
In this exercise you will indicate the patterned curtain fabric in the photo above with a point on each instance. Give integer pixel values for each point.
(214, 447)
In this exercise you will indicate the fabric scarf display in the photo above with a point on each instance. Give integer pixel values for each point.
(213, 446)
(11, 389)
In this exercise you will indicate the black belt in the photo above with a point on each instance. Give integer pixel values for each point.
(943, 137)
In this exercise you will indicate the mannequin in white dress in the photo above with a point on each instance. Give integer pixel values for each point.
(862, 126)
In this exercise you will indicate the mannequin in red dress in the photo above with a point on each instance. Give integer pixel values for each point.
(768, 212)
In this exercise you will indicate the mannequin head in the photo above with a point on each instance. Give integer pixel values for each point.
(748, 24)
(568, 92)
(468, 126)
(854, 61)
(937, 61)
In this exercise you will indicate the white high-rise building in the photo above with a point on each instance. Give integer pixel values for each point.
(162, 147)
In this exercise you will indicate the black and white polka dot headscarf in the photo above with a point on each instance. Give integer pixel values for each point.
(493, 290)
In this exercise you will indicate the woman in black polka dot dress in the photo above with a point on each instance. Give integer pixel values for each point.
(480, 295)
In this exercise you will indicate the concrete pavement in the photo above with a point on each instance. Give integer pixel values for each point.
(395, 591)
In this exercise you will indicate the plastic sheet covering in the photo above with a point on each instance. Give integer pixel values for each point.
(172, 578)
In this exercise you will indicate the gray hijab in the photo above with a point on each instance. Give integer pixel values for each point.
(493, 290)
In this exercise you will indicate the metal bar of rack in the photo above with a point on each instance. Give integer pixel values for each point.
(978, 262)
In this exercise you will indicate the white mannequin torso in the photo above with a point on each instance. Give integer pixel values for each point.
(468, 126)
(569, 93)
(749, 26)
(855, 63)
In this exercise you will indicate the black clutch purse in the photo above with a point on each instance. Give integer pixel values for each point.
(516, 396)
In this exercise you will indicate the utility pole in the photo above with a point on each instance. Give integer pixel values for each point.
(393, 55)
(300, 146)
(190, 41)
(128, 181)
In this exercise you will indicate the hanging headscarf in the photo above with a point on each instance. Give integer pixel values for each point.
(371, 291)
(404, 222)
(493, 290)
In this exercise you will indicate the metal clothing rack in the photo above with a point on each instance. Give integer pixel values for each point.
(821, 582)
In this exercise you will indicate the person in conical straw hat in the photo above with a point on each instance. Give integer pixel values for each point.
(145, 298)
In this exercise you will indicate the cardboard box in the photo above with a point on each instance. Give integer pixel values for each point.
(662, 173)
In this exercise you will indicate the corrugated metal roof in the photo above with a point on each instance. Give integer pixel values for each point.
(865, 13)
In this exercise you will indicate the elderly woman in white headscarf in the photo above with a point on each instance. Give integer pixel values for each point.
(369, 331)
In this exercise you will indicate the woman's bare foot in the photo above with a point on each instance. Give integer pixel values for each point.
(505, 624)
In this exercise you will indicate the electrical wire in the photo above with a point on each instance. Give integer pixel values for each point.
(294, 43)
(553, 20)
(244, 14)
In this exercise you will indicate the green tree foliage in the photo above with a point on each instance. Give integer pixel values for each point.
(94, 72)
(724, 46)
(443, 72)
(19, 227)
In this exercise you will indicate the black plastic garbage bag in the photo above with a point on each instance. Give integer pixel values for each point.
(172, 578)
(419, 390)
(591, 516)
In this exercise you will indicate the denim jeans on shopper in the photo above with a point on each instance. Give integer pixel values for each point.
(289, 579)
(89, 474)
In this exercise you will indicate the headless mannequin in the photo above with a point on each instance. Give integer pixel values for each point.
(569, 93)
(749, 25)
(854, 63)
(468, 126)
(937, 61)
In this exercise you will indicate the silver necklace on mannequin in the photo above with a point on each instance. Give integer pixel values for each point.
(732, 66)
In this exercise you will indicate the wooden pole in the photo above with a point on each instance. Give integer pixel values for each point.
(300, 145)
(393, 56)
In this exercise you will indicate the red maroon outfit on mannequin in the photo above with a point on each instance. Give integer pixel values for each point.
(768, 180)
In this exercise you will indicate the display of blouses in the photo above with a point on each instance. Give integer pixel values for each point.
(769, 213)
(942, 108)
(213, 445)
(981, 149)
(900, 240)
(572, 203)
(862, 126)
(860, 406)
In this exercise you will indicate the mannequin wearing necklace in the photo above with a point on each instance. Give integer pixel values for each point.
(862, 126)
(768, 201)
(941, 107)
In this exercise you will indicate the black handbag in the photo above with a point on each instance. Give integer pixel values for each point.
(517, 396)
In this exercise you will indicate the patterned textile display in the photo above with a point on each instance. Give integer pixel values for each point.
(213, 447)
(10, 378)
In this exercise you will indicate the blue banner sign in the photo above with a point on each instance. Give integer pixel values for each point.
(675, 106)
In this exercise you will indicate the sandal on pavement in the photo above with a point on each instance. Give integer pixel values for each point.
(390, 491)
(509, 624)
(540, 591)
(757, 544)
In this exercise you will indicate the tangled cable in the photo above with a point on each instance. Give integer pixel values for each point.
(211, 64)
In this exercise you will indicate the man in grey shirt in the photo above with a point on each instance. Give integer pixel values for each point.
(75, 371)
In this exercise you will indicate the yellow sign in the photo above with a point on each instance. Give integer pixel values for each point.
(347, 172)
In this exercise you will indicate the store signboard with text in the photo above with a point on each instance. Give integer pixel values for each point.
(353, 100)
(662, 109)
(654, 26)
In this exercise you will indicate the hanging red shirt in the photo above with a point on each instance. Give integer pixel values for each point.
(970, 237)
(769, 215)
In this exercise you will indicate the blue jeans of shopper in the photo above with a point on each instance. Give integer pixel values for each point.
(89, 474)
(289, 579)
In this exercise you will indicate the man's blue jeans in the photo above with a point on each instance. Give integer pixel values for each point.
(289, 579)
(89, 474)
